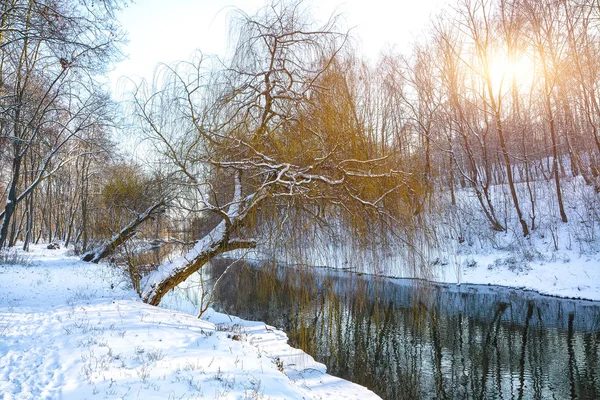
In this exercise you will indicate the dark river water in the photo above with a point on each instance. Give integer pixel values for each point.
(410, 340)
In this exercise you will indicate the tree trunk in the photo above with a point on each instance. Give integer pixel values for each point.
(160, 289)
(29, 223)
(555, 166)
(474, 175)
(73, 207)
(509, 173)
(83, 233)
(451, 177)
(216, 242)
(125, 234)
(11, 201)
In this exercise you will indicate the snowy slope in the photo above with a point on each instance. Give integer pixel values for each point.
(68, 330)
(454, 244)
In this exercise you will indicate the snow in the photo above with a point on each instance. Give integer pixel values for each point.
(169, 269)
(577, 278)
(71, 330)
(559, 259)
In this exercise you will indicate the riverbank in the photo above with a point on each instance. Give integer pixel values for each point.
(566, 274)
(453, 243)
(72, 330)
(409, 340)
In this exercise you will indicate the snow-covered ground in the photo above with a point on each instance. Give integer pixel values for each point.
(565, 273)
(572, 275)
(577, 278)
(70, 330)
(559, 259)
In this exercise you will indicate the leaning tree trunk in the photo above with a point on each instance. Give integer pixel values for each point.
(218, 241)
(157, 289)
(125, 234)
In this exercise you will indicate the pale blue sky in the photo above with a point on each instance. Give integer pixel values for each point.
(167, 31)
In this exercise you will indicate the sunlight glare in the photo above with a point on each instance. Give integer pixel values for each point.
(504, 72)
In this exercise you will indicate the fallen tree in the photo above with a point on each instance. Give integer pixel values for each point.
(108, 247)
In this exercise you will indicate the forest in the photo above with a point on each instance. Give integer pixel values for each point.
(488, 129)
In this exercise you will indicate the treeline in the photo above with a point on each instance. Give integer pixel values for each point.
(55, 117)
(498, 92)
(502, 92)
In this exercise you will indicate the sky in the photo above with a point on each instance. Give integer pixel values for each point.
(169, 31)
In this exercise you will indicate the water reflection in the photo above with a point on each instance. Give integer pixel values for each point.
(410, 341)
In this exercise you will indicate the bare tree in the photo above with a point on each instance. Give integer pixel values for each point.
(464, 135)
(49, 98)
(549, 43)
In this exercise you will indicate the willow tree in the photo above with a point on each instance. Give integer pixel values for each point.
(269, 133)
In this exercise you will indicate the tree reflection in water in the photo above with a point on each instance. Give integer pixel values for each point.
(407, 340)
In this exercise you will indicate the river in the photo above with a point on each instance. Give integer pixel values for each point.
(407, 339)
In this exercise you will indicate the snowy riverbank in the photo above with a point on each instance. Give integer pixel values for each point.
(458, 246)
(69, 330)
(577, 277)
(566, 274)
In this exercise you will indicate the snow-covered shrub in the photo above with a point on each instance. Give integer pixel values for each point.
(11, 256)
(512, 263)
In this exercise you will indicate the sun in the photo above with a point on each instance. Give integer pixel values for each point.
(505, 71)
